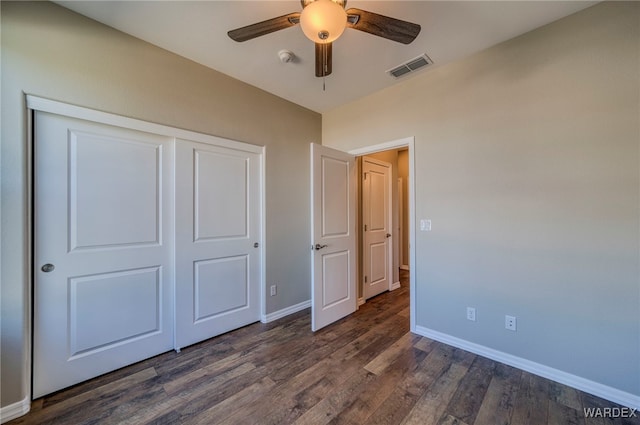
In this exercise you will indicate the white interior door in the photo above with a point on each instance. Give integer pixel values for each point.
(376, 205)
(103, 249)
(333, 235)
(217, 240)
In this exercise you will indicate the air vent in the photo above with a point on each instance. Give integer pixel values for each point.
(411, 66)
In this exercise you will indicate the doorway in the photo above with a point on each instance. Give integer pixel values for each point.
(334, 184)
(403, 224)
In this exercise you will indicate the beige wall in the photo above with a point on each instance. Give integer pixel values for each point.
(527, 163)
(54, 53)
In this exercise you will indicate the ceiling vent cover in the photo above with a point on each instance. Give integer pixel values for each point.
(410, 66)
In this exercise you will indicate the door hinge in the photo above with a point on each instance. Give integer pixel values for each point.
(365, 227)
(365, 279)
(365, 175)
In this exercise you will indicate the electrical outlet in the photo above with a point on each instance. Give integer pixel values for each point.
(510, 323)
(471, 314)
(274, 290)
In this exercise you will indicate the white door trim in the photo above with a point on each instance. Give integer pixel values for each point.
(59, 108)
(395, 144)
(401, 250)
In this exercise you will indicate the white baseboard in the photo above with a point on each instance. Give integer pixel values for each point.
(285, 312)
(15, 410)
(603, 391)
(404, 267)
(395, 286)
(361, 301)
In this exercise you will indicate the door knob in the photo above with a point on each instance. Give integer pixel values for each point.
(255, 245)
(388, 235)
(48, 268)
(318, 247)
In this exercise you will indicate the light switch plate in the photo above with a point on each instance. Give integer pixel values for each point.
(425, 225)
(471, 314)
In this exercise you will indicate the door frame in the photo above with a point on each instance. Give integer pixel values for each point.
(389, 224)
(401, 225)
(35, 103)
(407, 142)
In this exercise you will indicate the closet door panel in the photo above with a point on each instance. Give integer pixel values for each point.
(103, 291)
(217, 240)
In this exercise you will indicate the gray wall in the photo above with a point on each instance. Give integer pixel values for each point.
(54, 53)
(527, 163)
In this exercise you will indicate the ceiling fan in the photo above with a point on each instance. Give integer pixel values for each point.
(323, 21)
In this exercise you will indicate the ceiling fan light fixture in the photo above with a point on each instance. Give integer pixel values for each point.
(323, 21)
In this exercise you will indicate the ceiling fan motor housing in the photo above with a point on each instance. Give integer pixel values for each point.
(323, 21)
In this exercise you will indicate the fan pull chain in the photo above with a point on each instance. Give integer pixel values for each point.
(324, 81)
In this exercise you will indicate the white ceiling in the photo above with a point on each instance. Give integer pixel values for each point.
(197, 30)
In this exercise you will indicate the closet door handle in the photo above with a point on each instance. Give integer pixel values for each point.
(48, 268)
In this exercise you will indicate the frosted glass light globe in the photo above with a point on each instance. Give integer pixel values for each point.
(323, 21)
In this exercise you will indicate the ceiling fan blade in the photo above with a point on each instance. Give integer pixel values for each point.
(323, 59)
(264, 27)
(382, 26)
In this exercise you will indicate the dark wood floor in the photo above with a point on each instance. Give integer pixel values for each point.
(365, 369)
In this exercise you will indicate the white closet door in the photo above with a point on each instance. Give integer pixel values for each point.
(217, 240)
(103, 249)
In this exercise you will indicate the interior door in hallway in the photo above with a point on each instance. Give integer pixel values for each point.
(377, 225)
(103, 249)
(218, 239)
(333, 235)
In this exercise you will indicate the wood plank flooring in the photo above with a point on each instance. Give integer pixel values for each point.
(365, 369)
